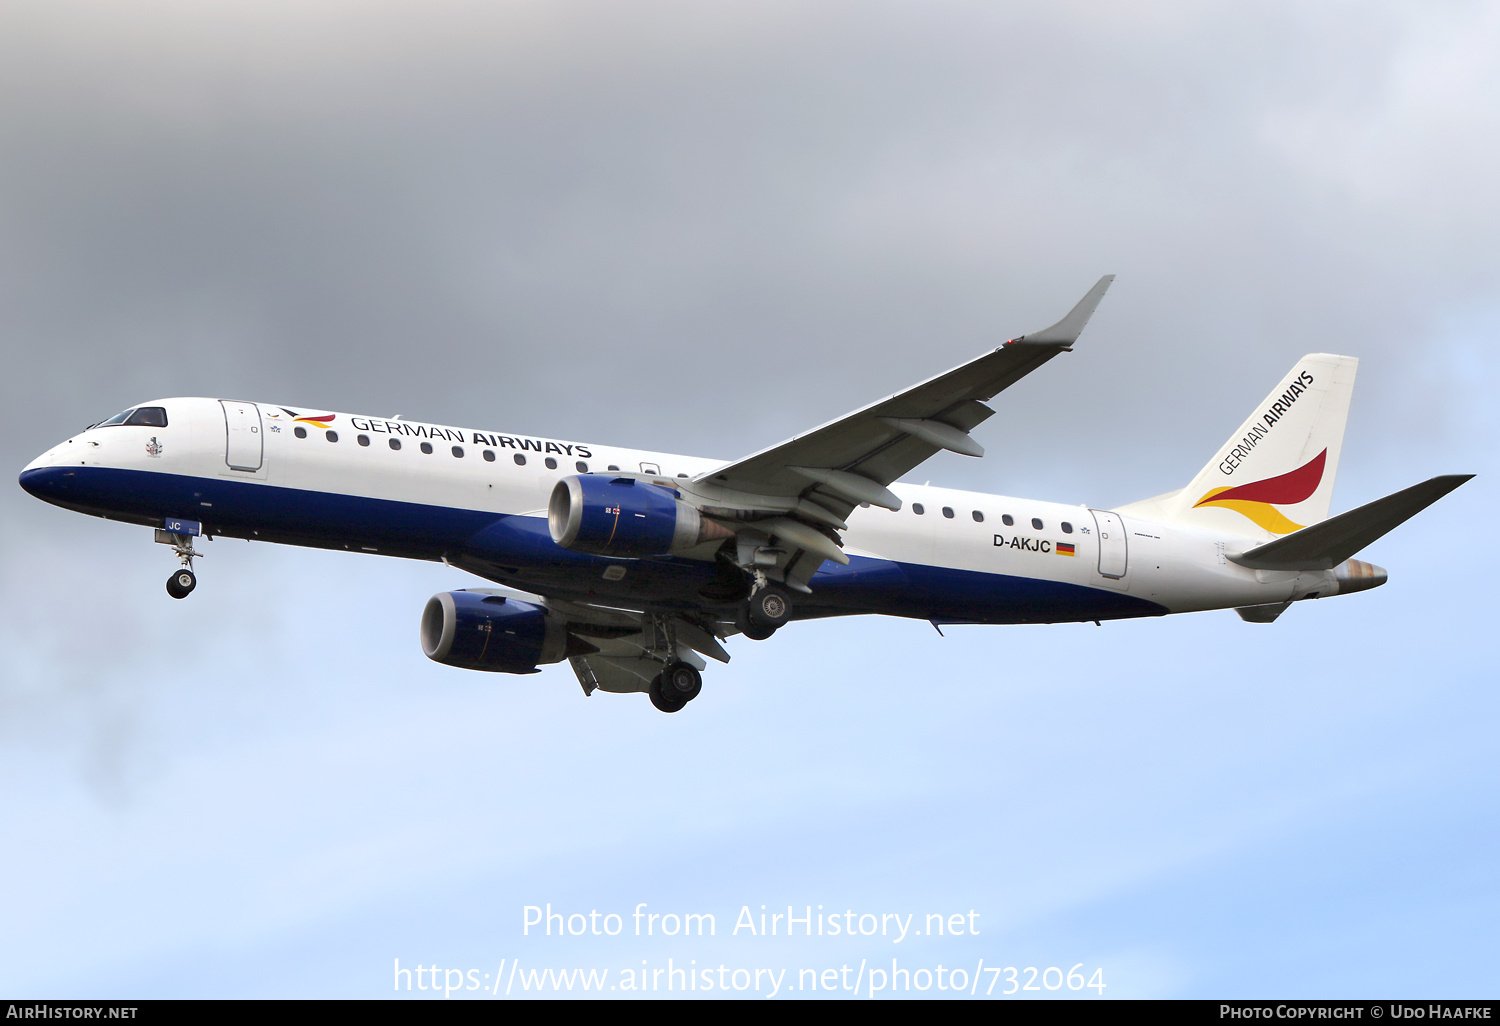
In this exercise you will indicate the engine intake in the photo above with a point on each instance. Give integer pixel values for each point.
(478, 631)
(620, 516)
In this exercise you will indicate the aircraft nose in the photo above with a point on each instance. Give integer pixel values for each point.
(46, 477)
(46, 483)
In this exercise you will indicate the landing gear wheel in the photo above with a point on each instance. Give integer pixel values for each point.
(681, 680)
(661, 696)
(751, 631)
(181, 584)
(768, 609)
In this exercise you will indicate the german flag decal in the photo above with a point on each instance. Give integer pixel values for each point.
(1063, 549)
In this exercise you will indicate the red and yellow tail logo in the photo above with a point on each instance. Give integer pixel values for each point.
(1258, 499)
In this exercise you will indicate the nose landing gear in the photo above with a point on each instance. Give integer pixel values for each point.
(181, 584)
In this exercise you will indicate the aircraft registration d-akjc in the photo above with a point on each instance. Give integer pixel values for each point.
(635, 565)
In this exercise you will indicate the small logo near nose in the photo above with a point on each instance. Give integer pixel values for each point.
(153, 447)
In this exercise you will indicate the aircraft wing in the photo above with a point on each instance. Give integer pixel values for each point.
(852, 459)
(631, 648)
(622, 649)
(789, 502)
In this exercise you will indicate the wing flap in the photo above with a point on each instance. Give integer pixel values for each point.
(615, 674)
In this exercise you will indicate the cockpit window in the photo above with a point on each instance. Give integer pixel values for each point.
(144, 416)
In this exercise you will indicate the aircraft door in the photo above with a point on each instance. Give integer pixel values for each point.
(244, 444)
(1113, 555)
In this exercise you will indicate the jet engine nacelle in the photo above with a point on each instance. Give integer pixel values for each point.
(620, 516)
(478, 631)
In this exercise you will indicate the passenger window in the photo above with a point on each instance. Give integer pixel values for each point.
(301, 432)
(427, 448)
(489, 455)
(864, 505)
(582, 467)
(148, 416)
(520, 459)
(551, 463)
(394, 443)
(978, 517)
(1007, 520)
(458, 451)
(917, 508)
(948, 512)
(1067, 527)
(362, 439)
(1035, 523)
(682, 475)
(613, 467)
(333, 436)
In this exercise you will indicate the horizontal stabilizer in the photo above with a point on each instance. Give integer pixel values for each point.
(1325, 545)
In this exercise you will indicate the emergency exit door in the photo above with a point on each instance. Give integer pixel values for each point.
(244, 444)
(1113, 555)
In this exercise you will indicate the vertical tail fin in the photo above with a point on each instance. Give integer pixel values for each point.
(1275, 475)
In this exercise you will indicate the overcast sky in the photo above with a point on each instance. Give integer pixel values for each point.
(703, 228)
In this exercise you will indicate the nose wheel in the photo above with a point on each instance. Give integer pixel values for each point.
(182, 583)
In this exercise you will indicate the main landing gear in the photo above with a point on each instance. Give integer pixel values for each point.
(766, 610)
(675, 686)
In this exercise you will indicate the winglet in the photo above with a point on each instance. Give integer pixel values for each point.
(1066, 331)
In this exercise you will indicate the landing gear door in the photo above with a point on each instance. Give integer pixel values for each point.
(244, 447)
(1113, 553)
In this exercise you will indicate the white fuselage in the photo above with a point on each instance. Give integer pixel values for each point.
(343, 484)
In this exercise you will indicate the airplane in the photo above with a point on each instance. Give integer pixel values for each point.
(634, 566)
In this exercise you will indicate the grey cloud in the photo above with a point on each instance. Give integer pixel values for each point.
(600, 221)
(701, 227)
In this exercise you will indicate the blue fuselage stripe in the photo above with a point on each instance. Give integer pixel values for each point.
(518, 550)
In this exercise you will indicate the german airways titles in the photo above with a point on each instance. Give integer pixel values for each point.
(407, 429)
(636, 567)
